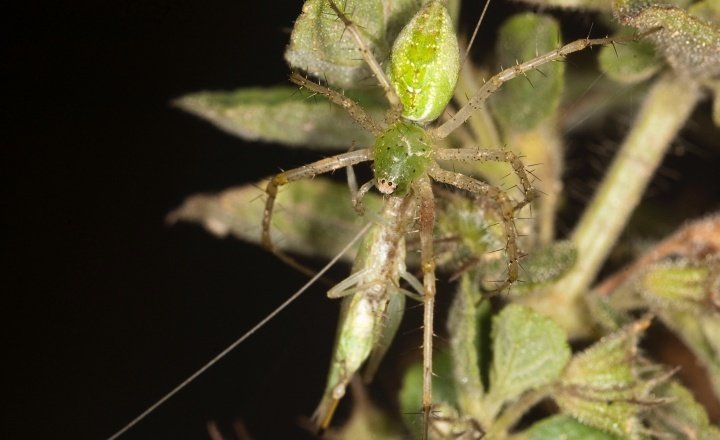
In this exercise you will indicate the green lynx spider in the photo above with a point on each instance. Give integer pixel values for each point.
(419, 83)
(403, 190)
(403, 156)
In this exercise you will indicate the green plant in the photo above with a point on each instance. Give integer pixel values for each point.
(502, 361)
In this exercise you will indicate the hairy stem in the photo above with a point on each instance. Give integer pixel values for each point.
(664, 112)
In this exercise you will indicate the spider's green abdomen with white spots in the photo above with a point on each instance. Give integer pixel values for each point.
(401, 155)
(424, 64)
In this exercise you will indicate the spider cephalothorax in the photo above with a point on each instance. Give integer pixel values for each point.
(401, 154)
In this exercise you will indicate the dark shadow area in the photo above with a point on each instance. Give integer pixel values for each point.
(107, 307)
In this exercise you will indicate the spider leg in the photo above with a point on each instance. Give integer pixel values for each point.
(494, 83)
(353, 108)
(426, 223)
(504, 207)
(471, 154)
(303, 172)
(358, 196)
(369, 58)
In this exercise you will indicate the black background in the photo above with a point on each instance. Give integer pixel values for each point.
(107, 308)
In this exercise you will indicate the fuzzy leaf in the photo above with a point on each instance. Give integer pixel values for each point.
(682, 416)
(312, 217)
(282, 114)
(564, 427)
(680, 291)
(321, 46)
(546, 265)
(521, 105)
(676, 285)
(470, 231)
(599, 386)
(465, 325)
(529, 351)
(607, 316)
(690, 45)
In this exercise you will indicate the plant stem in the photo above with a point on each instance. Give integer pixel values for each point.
(664, 112)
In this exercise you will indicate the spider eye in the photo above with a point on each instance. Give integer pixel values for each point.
(386, 186)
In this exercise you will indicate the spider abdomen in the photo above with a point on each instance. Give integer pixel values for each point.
(424, 63)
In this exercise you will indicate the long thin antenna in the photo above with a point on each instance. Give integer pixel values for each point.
(475, 32)
(242, 338)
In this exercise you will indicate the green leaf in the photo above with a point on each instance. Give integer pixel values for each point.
(545, 265)
(690, 45)
(604, 313)
(465, 324)
(676, 284)
(629, 63)
(682, 416)
(529, 351)
(321, 45)
(469, 229)
(600, 387)
(521, 105)
(312, 217)
(563, 427)
(284, 115)
(680, 291)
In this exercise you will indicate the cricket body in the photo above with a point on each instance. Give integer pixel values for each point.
(418, 84)
(373, 303)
